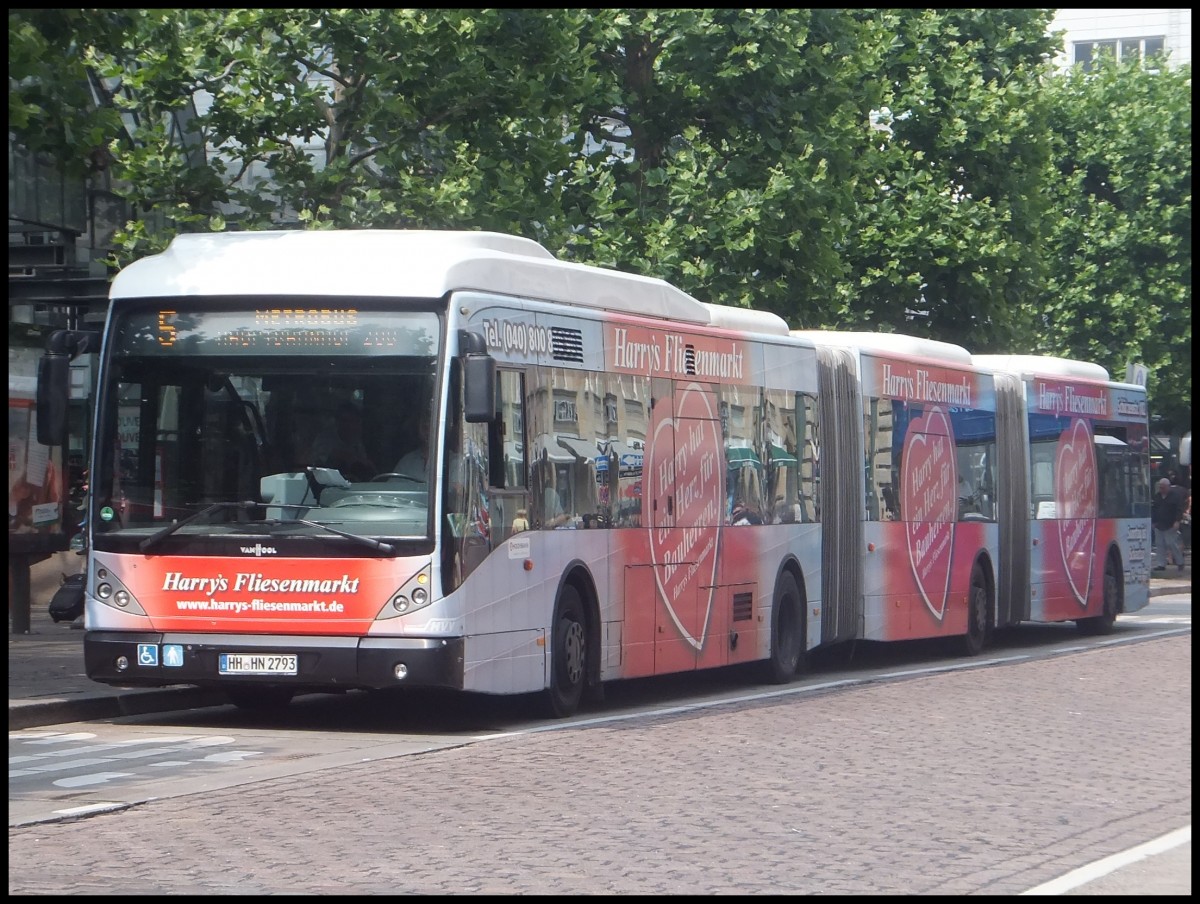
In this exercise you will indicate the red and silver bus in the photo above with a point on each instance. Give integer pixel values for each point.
(1076, 446)
(336, 460)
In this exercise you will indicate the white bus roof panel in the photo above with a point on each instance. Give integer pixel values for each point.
(747, 320)
(1042, 365)
(895, 343)
(395, 264)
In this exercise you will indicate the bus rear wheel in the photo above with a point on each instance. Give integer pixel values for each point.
(568, 655)
(977, 614)
(1104, 622)
(787, 632)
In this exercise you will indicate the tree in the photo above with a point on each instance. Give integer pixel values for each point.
(951, 201)
(335, 117)
(913, 170)
(52, 97)
(718, 150)
(1119, 281)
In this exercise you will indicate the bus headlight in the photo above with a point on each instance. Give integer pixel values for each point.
(410, 596)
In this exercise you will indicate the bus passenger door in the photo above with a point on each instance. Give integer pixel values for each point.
(685, 489)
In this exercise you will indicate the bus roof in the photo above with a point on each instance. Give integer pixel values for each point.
(895, 343)
(397, 263)
(1042, 365)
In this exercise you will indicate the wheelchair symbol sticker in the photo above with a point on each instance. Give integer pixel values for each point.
(147, 654)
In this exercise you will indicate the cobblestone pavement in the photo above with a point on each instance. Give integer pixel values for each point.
(986, 781)
(991, 781)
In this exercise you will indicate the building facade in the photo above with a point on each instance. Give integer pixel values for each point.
(1124, 33)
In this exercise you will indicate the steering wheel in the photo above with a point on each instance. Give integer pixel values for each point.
(388, 475)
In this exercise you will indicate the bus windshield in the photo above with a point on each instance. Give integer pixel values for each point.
(285, 423)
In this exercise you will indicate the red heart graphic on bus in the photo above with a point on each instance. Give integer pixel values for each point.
(681, 468)
(1076, 505)
(929, 505)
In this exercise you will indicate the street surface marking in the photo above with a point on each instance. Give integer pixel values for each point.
(1093, 871)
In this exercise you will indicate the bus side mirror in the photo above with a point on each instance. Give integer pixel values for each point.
(54, 383)
(53, 389)
(479, 380)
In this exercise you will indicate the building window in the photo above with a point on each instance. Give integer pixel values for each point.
(565, 411)
(1087, 52)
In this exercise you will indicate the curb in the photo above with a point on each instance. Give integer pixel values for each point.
(109, 706)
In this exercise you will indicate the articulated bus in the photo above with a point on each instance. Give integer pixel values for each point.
(614, 479)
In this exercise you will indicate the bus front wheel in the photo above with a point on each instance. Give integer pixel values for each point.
(568, 655)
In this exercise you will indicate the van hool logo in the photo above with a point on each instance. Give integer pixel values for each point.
(259, 550)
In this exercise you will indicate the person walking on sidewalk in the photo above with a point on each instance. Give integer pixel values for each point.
(1166, 511)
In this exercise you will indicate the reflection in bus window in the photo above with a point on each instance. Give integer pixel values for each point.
(741, 422)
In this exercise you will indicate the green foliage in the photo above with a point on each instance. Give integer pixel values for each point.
(916, 170)
(1120, 265)
(952, 200)
(51, 105)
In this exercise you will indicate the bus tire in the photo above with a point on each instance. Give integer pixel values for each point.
(787, 632)
(259, 697)
(976, 637)
(1111, 590)
(568, 655)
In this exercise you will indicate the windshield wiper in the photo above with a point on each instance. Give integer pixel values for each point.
(369, 541)
(248, 505)
(154, 538)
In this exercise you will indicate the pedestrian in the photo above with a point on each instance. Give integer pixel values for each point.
(1166, 511)
(1185, 520)
(521, 522)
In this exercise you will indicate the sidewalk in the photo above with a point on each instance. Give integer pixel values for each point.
(46, 679)
(47, 684)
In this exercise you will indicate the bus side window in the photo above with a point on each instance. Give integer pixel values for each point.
(508, 498)
(1043, 489)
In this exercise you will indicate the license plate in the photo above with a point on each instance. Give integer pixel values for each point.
(257, 664)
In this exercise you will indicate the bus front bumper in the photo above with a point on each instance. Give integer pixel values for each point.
(126, 659)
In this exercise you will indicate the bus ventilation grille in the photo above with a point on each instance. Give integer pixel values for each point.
(567, 344)
(689, 359)
(743, 606)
